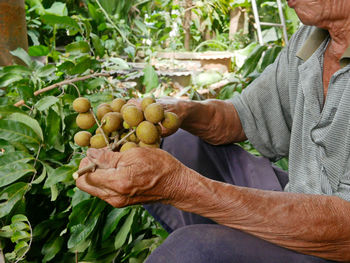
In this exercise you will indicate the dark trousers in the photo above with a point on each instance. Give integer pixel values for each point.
(195, 239)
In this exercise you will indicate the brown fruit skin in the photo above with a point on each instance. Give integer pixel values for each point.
(127, 146)
(117, 104)
(85, 120)
(154, 113)
(98, 131)
(97, 141)
(147, 101)
(145, 145)
(132, 115)
(171, 121)
(82, 138)
(81, 105)
(147, 132)
(111, 122)
(102, 110)
(124, 107)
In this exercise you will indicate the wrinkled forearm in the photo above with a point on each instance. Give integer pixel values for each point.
(215, 121)
(310, 224)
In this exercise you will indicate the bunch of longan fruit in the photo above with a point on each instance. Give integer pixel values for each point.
(122, 125)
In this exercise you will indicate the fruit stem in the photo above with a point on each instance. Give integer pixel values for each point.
(91, 167)
(116, 144)
(100, 126)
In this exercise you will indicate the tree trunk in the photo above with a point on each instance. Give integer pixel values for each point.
(187, 24)
(236, 21)
(13, 29)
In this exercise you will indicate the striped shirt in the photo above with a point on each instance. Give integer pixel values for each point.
(283, 115)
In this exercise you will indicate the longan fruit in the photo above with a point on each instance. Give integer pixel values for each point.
(147, 101)
(98, 141)
(145, 145)
(117, 104)
(111, 122)
(81, 105)
(124, 107)
(154, 113)
(85, 120)
(102, 110)
(82, 138)
(98, 131)
(147, 132)
(132, 115)
(171, 121)
(127, 146)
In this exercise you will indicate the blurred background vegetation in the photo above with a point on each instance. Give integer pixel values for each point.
(103, 49)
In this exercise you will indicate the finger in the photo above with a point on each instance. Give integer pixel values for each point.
(85, 162)
(103, 158)
(83, 184)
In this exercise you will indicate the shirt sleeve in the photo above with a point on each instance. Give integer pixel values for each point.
(264, 110)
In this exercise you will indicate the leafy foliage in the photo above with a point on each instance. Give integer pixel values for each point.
(38, 159)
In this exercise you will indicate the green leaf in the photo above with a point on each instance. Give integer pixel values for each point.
(270, 56)
(10, 196)
(6, 231)
(14, 171)
(252, 61)
(80, 232)
(21, 248)
(17, 226)
(112, 221)
(52, 247)
(124, 231)
(58, 9)
(79, 213)
(61, 174)
(37, 6)
(109, 6)
(53, 134)
(96, 83)
(18, 70)
(41, 177)
(207, 78)
(38, 51)
(79, 196)
(18, 132)
(98, 45)
(83, 65)
(46, 103)
(78, 47)
(14, 157)
(20, 236)
(45, 71)
(9, 109)
(119, 63)
(54, 192)
(60, 21)
(7, 79)
(23, 55)
(29, 121)
(150, 79)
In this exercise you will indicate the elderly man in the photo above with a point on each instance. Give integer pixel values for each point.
(300, 108)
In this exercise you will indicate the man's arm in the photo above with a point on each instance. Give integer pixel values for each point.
(310, 224)
(215, 121)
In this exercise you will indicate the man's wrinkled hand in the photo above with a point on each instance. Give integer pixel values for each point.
(136, 176)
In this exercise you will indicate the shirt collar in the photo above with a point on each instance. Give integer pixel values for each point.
(314, 41)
